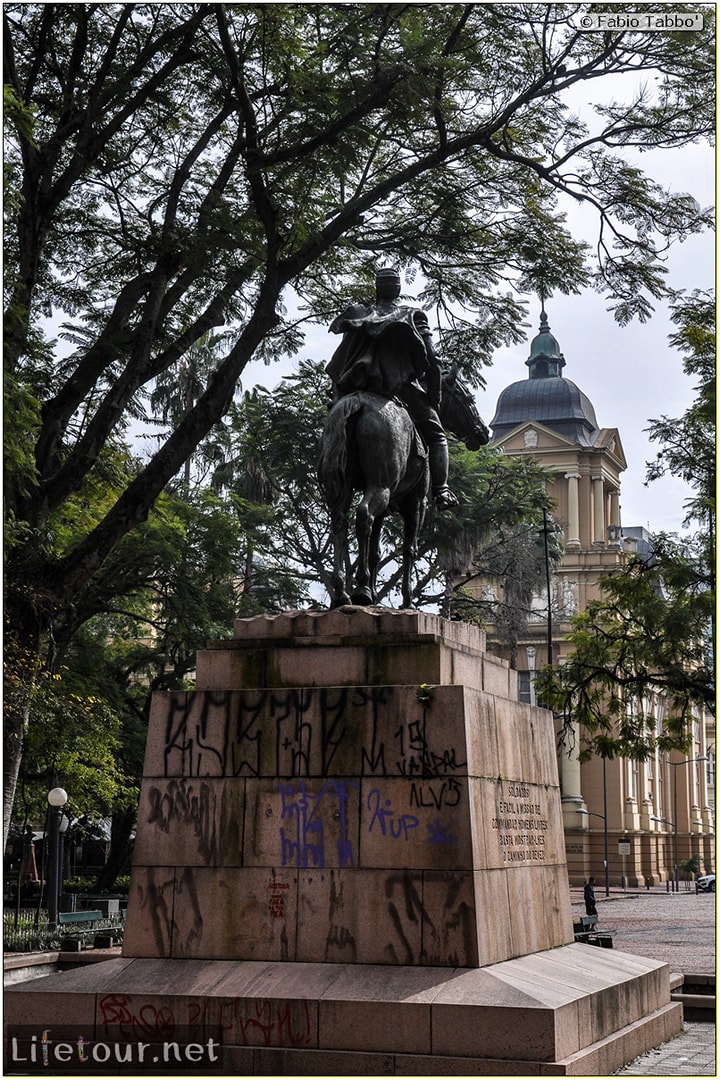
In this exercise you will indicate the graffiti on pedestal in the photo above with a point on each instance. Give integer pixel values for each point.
(346, 777)
(396, 826)
(246, 1022)
(298, 733)
(292, 732)
(447, 940)
(196, 805)
(303, 835)
(276, 899)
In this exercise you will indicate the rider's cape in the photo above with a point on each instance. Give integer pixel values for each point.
(380, 351)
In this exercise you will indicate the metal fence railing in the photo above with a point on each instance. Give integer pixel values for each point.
(24, 932)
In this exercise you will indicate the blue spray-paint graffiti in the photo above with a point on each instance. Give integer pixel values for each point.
(303, 838)
(439, 833)
(398, 827)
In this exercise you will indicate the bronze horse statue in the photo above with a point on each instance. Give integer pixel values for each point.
(370, 444)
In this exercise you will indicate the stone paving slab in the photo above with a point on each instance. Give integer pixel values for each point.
(692, 1053)
(677, 928)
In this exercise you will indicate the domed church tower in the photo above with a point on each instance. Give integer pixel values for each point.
(546, 395)
(549, 417)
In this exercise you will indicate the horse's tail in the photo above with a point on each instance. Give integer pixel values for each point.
(332, 464)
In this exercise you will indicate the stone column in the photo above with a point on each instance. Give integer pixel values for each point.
(631, 817)
(531, 653)
(573, 539)
(649, 804)
(703, 796)
(571, 786)
(598, 511)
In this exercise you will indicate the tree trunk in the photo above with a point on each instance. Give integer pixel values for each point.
(14, 740)
(120, 849)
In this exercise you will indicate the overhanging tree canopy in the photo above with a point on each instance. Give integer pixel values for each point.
(177, 167)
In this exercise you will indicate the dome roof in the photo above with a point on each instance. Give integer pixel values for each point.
(554, 402)
(546, 396)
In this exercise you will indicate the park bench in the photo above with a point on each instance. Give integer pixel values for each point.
(585, 931)
(111, 935)
(85, 926)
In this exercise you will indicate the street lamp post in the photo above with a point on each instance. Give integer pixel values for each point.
(590, 813)
(605, 826)
(57, 798)
(663, 821)
(62, 830)
(685, 761)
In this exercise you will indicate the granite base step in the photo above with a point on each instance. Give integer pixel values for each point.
(567, 1011)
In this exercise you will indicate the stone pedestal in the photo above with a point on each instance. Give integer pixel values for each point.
(349, 787)
(350, 859)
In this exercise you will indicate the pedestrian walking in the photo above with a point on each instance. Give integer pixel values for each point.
(589, 895)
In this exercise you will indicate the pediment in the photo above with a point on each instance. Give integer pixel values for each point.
(609, 440)
(531, 436)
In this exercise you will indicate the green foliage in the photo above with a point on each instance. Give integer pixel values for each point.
(274, 439)
(646, 636)
(21, 419)
(22, 120)
(654, 629)
(89, 885)
(688, 442)
(72, 734)
(691, 865)
(500, 540)
(513, 558)
(497, 493)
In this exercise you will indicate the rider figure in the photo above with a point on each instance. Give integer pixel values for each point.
(387, 349)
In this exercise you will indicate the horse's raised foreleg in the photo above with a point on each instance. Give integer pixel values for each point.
(372, 507)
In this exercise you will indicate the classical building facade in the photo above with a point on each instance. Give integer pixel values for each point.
(638, 812)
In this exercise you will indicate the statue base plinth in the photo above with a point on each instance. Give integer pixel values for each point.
(350, 859)
(568, 1012)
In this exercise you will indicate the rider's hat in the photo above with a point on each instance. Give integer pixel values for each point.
(386, 273)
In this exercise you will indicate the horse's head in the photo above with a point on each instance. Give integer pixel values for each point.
(459, 414)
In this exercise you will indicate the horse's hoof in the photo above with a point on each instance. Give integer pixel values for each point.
(445, 499)
(340, 601)
(363, 598)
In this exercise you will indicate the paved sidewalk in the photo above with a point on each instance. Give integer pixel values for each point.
(690, 1054)
(678, 929)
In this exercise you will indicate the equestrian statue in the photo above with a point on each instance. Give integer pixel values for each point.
(385, 434)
